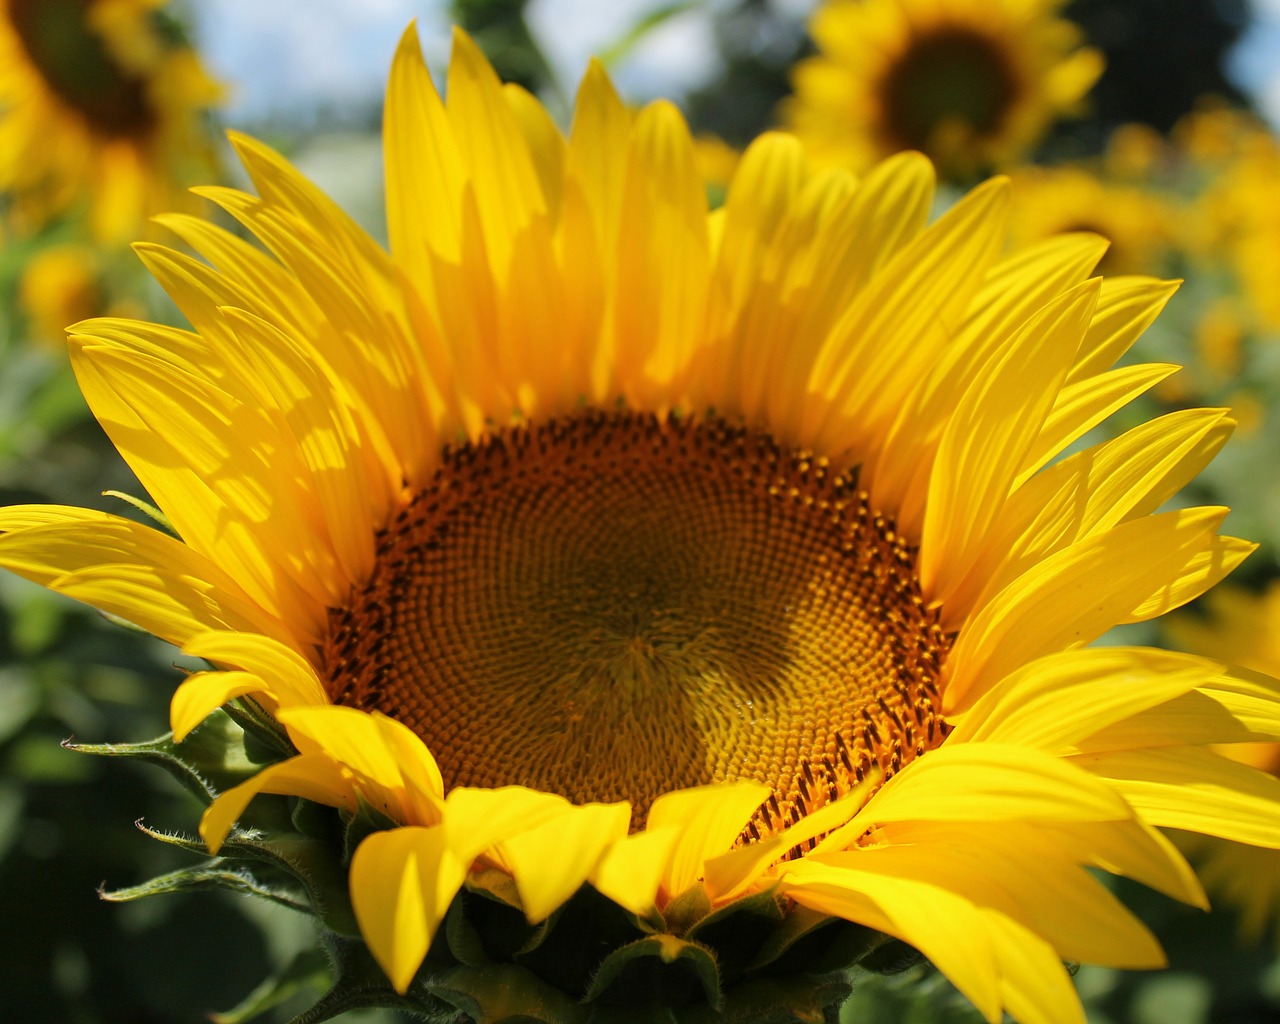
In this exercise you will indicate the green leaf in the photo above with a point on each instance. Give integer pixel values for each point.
(212, 875)
(211, 759)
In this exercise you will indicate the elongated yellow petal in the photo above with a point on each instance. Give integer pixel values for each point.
(424, 174)
(199, 695)
(1056, 604)
(1081, 406)
(311, 776)
(479, 819)
(664, 254)
(710, 818)
(732, 873)
(1089, 492)
(1057, 701)
(1034, 986)
(402, 882)
(160, 584)
(989, 434)
(289, 672)
(551, 861)
(1220, 557)
(631, 870)
(943, 925)
(359, 741)
(1126, 308)
(1194, 789)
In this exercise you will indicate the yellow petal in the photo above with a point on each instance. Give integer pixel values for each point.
(710, 818)
(161, 584)
(551, 861)
(731, 874)
(311, 776)
(632, 869)
(944, 926)
(202, 693)
(1126, 308)
(1057, 603)
(402, 882)
(292, 677)
(1194, 789)
(988, 434)
(983, 782)
(1059, 700)
(424, 175)
(1081, 406)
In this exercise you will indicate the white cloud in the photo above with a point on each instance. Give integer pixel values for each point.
(289, 55)
(677, 56)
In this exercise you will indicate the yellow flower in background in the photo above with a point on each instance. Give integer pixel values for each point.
(1244, 628)
(974, 84)
(700, 558)
(1236, 222)
(1138, 223)
(60, 285)
(99, 105)
(1216, 134)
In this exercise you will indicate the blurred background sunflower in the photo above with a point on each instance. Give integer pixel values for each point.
(1151, 122)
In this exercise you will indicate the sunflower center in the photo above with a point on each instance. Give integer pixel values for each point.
(952, 79)
(75, 64)
(611, 606)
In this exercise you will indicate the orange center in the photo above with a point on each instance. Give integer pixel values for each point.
(611, 606)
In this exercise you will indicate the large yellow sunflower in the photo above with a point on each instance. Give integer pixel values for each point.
(99, 104)
(595, 542)
(972, 83)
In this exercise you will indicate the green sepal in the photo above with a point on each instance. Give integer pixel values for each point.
(812, 942)
(661, 970)
(686, 909)
(580, 934)
(312, 861)
(486, 924)
(505, 994)
(211, 759)
(147, 509)
(360, 984)
(366, 821)
(892, 957)
(265, 739)
(737, 930)
(212, 875)
(192, 844)
(835, 947)
(798, 1000)
(309, 969)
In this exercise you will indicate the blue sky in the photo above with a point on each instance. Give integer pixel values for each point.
(289, 56)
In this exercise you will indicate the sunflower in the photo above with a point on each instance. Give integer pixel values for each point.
(1135, 220)
(1237, 225)
(973, 84)
(589, 543)
(99, 103)
(1244, 628)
